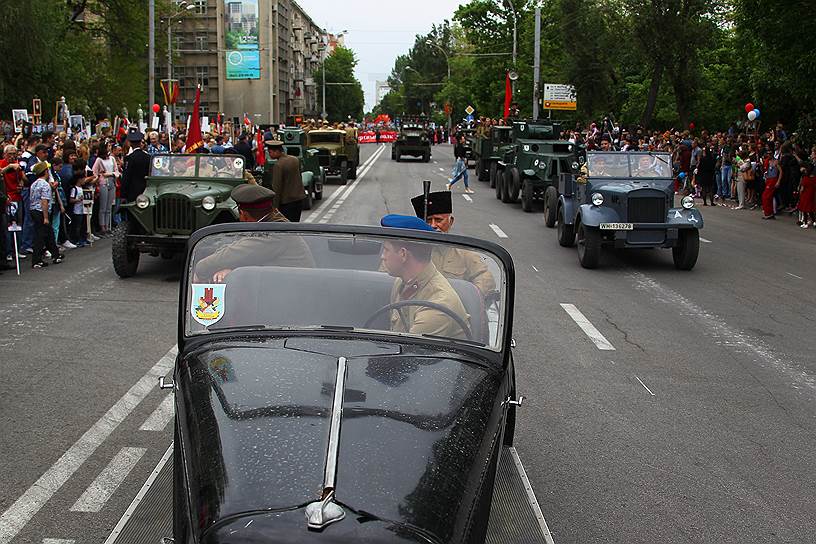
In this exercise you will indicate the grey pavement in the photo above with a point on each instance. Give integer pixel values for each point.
(697, 427)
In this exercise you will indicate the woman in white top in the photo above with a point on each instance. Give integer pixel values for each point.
(105, 171)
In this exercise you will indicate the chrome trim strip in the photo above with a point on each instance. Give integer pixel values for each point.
(330, 474)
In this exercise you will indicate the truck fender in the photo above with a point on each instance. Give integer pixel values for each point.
(593, 216)
(529, 173)
(567, 203)
(307, 178)
(684, 218)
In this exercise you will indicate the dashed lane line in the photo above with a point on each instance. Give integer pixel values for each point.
(32, 500)
(160, 417)
(58, 541)
(499, 232)
(644, 386)
(534, 267)
(589, 329)
(117, 530)
(108, 481)
(467, 197)
(794, 276)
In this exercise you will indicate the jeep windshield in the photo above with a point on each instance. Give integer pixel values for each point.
(628, 165)
(325, 138)
(287, 281)
(198, 165)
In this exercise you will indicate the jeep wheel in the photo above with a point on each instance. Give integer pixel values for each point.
(318, 195)
(687, 249)
(393, 154)
(550, 206)
(526, 196)
(499, 181)
(125, 259)
(426, 157)
(589, 246)
(352, 171)
(307, 202)
(494, 168)
(344, 172)
(566, 233)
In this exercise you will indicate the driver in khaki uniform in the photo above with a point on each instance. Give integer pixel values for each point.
(419, 280)
(453, 262)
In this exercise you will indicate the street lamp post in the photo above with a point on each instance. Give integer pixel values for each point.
(151, 55)
(515, 21)
(325, 50)
(182, 5)
(447, 61)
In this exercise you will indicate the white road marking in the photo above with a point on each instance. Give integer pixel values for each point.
(528, 488)
(58, 541)
(534, 268)
(24, 508)
(499, 232)
(795, 276)
(108, 481)
(337, 192)
(727, 336)
(704, 240)
(467, 197)
(644, 386)
(329, 214)
(161, 416)
(589, 329)
(139, 497)
(441, 169)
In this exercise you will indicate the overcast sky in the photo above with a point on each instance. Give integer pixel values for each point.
(378, 30)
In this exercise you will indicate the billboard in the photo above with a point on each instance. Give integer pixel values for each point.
(243, 58)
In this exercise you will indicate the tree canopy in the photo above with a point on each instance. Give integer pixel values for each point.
(344, 94)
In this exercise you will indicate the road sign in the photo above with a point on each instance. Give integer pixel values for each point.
(469, 110)
(559, 97)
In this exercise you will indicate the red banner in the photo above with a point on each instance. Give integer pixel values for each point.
(369, 136)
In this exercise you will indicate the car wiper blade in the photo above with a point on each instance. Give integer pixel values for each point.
(457, 340)
(661, 159)
(240, 328)
(337, 327)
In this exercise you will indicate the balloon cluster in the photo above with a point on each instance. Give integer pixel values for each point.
(753, 112)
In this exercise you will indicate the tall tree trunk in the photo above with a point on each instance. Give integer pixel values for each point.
(682, 96)
(654, 89)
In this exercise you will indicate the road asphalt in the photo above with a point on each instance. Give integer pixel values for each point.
(694, 423)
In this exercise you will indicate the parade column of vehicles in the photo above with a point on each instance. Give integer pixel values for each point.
(412, 140)
(312, 173)
(338, 152)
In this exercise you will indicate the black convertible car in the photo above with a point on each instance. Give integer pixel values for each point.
(332, 386)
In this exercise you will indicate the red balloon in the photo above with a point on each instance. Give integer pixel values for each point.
(749, 107)
(691, 125)
(156, 108)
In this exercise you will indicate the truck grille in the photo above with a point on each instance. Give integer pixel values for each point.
(412, 140)
(174, 213)
(647, 210)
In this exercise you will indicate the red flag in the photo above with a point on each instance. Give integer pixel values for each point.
(260, 156)
(508, 95)
(194, 139)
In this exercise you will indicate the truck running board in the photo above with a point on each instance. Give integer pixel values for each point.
(515, 515)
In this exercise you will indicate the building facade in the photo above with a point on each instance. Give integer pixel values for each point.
(251, 57)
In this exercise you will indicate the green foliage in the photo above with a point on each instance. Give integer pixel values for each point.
(342, 100)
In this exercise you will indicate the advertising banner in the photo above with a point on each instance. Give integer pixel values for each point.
(241, 36)
(369, 137)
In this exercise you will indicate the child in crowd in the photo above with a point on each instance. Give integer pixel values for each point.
(75, 201)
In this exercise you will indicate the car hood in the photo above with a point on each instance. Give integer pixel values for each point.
(195, 190)
(413, 426)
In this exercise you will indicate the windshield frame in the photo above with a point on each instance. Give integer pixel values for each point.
(501, 256)
(199, 157)
(631, 159)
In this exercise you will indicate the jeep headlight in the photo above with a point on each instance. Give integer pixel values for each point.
(208, 203)
(688, 202)
(142, 201)
(597, 199)
(334, 153)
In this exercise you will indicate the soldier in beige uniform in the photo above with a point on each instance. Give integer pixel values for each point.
(450, 261)
(419, 280)
(287, 182)
(255, 205)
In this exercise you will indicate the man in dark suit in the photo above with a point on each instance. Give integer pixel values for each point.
(136, 167)
(287, 182)
(245, 150)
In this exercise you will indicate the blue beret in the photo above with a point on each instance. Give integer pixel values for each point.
(396, 221)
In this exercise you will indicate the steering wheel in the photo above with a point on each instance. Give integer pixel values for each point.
(427, 304)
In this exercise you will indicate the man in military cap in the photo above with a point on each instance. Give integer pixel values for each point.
(256, 204)
(419, 280)
(136, 166)
(286, 181)
(450, 261)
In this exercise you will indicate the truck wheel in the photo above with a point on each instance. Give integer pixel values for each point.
(353, 171)
(399, 158)
(589, 246)
(526, 196)
(566, 233)
(125, 259)
(687, 249)
(393, 154)
(510, 185)
(426, 157)
(344, 172)
(307, 202)
(492, 173)
(499, 179)
(318, 195)
(550, 206)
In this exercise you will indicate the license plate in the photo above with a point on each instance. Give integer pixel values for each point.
(617, 226)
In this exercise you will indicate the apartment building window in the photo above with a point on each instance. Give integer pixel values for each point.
(201, 7)
(203, 75)
(201, 43)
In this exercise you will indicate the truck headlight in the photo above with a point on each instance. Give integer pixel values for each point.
(334, 153)
(687, 202)
(142, 201)
(597, 199)
(208, 203)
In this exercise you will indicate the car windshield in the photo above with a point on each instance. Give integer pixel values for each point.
(324, 138)
(629, 165)
(205, 166)
(650, 165)
(316, 281)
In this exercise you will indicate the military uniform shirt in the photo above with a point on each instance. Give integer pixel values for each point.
(465, 265)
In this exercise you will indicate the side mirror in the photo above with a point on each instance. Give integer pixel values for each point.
(581, 160)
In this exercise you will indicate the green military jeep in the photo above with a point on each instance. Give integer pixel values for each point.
(312, 174)
(531, 165)
(338, 154)
(183, 194)
(488, 151)
(412, 140)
